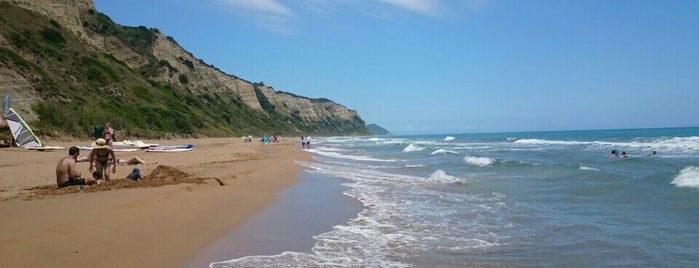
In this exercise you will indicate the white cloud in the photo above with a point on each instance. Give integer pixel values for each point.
(428, 7)
(270, 15)
(281, 16)
(265, 6)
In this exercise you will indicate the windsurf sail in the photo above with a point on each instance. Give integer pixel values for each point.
(23, 134)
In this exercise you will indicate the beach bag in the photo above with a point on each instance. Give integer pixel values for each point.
(135, 174)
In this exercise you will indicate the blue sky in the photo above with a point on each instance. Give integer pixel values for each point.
(453, 66)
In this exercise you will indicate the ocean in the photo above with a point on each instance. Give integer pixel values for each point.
(525, 199)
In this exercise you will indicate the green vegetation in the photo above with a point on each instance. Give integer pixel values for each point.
(80, 87)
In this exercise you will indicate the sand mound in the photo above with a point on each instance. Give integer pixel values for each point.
(161, 175)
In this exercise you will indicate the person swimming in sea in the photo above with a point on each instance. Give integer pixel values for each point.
(614, 153)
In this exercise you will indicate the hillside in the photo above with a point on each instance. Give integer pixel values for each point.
(375, 129)
(69, 67)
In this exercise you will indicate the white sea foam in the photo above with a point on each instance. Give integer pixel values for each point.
(442, 176)
(444, 151)
(479, 161)
(332, 149)
(688, 177)
(414, 166)
(449, 138)
(588, 168)
(350, 157)
(413, 148)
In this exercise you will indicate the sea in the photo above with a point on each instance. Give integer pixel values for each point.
(523, 199)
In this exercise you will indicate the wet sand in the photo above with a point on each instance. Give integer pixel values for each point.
(308, 208)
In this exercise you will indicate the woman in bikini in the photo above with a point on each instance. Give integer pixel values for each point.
(100, 156)
(108, 133)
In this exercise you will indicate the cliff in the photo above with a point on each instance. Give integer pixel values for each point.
(68, 67)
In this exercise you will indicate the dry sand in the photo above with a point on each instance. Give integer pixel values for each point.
(186, 202)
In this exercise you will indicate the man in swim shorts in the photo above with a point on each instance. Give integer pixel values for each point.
(66, 172)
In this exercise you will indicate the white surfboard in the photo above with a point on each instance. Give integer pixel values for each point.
(168, 150)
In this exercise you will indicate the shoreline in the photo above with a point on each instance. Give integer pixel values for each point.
(308, 208)
(162, 226)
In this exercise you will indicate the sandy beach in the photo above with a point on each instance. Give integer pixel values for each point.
(186, 202)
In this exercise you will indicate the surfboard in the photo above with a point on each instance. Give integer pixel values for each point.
(126, 149)
(88, 148)
(132, 144)
(181, 146)
(44, 148)
(168, 150)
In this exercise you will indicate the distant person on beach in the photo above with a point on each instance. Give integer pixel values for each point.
(265, 139)
(66, 172)
(308, 142)
(100, 156)
(108, 133)
(303, 142)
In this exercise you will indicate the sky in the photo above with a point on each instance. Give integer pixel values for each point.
(453, 66)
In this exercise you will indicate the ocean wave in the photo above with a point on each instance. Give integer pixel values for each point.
(350, 157)
(443, 151)
(441, 176)
(414, 166)
(666, 147)
(667, 143)
(688, 177)
(587, 168)
(479, 161)
(413, 148)
(332, 149)
(449, 138)
(557, 142)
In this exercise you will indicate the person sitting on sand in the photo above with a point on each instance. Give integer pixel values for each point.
(100, 155)
(135, 174)
(66, 172)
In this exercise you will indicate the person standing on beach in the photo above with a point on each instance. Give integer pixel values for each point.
(108, 133)
(100, 156)
(66, 172)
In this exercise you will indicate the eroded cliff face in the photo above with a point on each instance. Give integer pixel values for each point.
(183, 71)
(66, 12)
